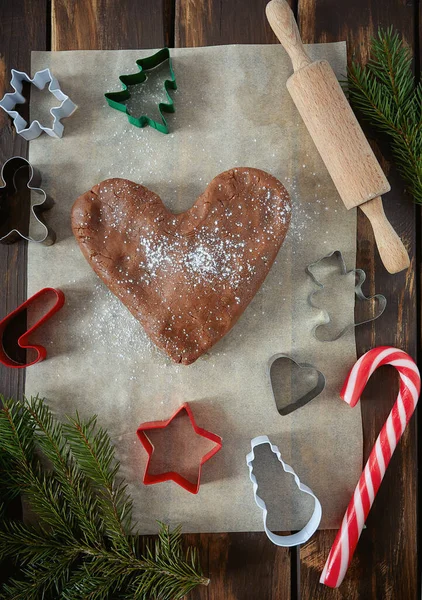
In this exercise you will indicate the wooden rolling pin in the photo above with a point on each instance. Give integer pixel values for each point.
(337, 135)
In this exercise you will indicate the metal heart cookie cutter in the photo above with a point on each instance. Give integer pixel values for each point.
(360, 277)
(23, 340)
(311, 526)
(305, 396)
(17, 219)
(40, 80)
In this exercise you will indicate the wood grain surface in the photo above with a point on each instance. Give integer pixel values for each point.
(247, 566)
(107, 24)
(385, 563)
(22, 29)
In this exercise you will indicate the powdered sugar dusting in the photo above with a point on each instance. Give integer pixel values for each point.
(213, 252)
(208, 259)
(186, 277)
(307, 212)
(108, 326)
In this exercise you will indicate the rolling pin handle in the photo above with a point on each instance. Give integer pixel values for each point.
(392, 251)
(283, 23)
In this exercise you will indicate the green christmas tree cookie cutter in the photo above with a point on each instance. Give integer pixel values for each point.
(117, 99)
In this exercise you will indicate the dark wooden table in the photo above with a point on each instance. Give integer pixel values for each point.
(248, 566)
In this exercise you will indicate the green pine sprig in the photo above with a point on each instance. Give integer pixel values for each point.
(82, 546)
(385, 93)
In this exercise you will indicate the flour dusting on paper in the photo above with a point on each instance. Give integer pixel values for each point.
(232, 110)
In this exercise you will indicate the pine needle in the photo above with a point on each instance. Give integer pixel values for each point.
(95, 455)
(82, 547)
(386, 94)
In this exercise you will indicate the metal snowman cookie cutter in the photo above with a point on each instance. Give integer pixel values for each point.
(40, 80)
(311, 526)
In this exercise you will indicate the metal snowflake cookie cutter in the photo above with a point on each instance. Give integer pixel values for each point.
(311, 526)
(117, 99)
(40, 80)
(306, 396)
(360, 278)
(20, 216)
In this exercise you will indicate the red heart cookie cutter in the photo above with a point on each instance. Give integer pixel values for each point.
(23, 340)
(192, 487)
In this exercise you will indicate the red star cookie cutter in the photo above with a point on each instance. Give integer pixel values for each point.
(23, 340)
(192, 487)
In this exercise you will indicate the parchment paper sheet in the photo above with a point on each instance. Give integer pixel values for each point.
(232, 109)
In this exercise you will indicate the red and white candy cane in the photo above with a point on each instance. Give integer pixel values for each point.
(348, 535)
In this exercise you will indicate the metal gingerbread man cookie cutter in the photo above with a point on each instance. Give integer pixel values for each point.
(20, 216)
(360, 278)
(40, 80)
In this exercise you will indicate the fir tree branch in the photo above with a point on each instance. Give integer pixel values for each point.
(75, 488)
(95, 456)
(8, 489)
(42, 491)
(26, 543)
(169, 573)
(39, 578)
(16, 432)
(96, 581)
(65, 556)
(385, 93)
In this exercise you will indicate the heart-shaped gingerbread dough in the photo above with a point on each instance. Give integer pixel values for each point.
(186, 277)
